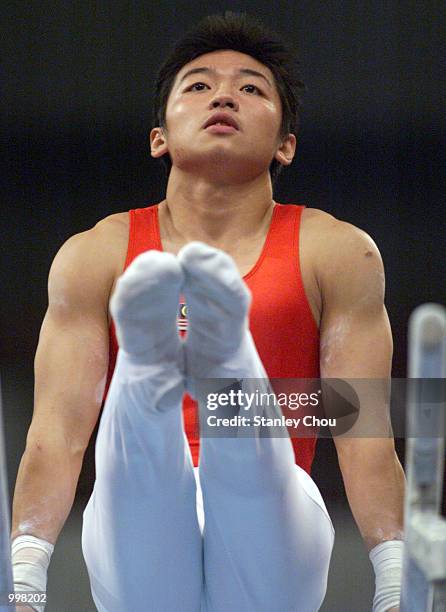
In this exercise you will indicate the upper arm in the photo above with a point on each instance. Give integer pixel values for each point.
(355, 334)
(72, 356)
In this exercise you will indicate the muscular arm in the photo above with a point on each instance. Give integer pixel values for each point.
(70, 370)
(356, 342)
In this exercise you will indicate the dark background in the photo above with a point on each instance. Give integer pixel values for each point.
(75, 117)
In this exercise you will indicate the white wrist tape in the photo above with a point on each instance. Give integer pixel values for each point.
(387, 560)
(30, 559)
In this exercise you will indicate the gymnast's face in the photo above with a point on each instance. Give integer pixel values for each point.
(244, 90)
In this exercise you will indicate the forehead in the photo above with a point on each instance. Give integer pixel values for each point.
(226, 62)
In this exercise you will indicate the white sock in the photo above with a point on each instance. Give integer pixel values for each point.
(219, 343)
(144, 307)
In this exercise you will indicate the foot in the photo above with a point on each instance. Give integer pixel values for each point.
(218, 344)
(144, 307)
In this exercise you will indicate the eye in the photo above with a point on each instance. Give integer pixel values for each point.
(251, 88)
(197, 87)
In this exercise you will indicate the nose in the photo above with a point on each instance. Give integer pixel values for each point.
(223, 101)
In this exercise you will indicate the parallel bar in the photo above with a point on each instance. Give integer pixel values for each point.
(424, 568)
(6, 582)
(438, 596)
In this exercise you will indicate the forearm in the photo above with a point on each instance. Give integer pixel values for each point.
(374, 482)
(45, 487)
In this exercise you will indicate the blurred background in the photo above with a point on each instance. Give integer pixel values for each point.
(75, 117)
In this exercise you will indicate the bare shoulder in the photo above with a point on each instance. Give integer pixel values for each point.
(105, 244)
(336, 241)
(343, 255)
(88, 263)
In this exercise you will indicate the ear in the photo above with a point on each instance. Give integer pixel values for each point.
(287, 148)
(158, 142)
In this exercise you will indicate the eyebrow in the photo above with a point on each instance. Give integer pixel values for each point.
(204, 70)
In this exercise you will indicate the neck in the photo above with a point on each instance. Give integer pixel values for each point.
(215, 213)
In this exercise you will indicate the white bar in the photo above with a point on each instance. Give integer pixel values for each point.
(427, 346)
(6, 583)
(425, 531)
(427, 540)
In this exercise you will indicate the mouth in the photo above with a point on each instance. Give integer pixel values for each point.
(221, 123)
(220, 128)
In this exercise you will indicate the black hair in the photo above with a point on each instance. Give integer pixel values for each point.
(238, 32)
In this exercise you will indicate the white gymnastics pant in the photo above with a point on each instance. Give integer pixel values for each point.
(267, 537)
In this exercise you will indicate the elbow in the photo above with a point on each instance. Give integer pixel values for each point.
(367, 452)
(41, 445)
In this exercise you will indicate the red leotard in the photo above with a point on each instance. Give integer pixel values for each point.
(281, 322)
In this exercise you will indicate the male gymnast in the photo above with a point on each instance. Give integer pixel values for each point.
(271, 290)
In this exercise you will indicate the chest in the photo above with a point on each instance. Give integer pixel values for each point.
(247, 256)
(248, 253)
(244, 253)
